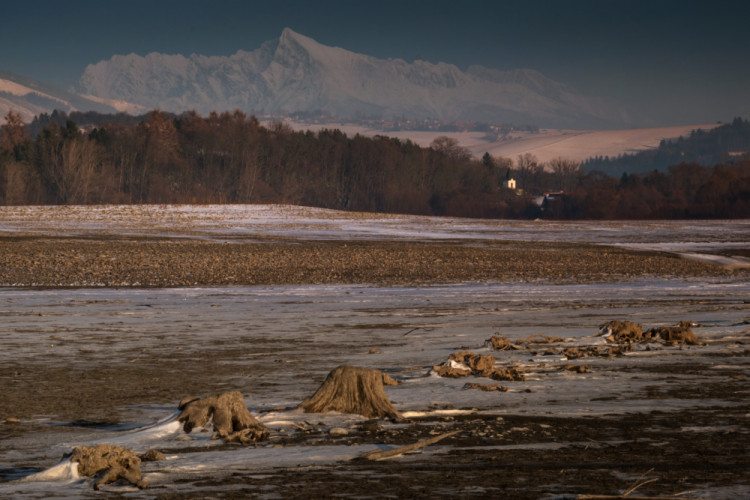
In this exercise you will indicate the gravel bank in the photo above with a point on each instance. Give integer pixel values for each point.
(109, 262)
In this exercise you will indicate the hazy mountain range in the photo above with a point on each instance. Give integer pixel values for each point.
(297, 74)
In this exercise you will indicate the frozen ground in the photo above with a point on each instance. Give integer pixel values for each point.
(261, 222)
(276, 344)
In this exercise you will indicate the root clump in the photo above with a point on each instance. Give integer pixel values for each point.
(231, 418)
(621, 332)
(110, 463)
(499, 343)
(627, 332)
(680, 334)
(465, 363)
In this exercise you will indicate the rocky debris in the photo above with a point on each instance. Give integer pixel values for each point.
(499, 343)
(680, 334)
(338, 432)
(452, 369)
(465, 363)
(540, 339)
(627, 332)
(109, 463)
(510, 374)
(250, 435)
(481, 364)
(231, 418)
(371, 426)
(575, 368)
(593, 351)
(152, 456)
(621, 332)
(353, 389)
(485, 387)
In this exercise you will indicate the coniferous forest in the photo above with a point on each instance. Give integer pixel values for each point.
(231, 158)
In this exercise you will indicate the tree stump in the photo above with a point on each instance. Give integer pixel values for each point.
(115, 462)
(352, 389)
(229, 415)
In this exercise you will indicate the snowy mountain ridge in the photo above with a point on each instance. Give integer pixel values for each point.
(30, 98)
(297, 74)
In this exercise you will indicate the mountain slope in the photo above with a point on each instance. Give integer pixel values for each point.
(30, 98)
(295, 73)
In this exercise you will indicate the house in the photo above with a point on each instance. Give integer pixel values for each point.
(509, 182)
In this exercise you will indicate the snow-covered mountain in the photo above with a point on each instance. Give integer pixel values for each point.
(295, 73)
(30, 98)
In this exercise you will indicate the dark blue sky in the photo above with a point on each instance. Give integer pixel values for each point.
(682, 62)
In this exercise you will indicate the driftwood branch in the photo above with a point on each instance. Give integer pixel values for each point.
(394, 452)
(628, 497)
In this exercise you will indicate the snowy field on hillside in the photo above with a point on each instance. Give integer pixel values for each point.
(236, 223)
(547, 144)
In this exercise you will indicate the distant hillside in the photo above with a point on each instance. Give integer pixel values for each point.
(31, 98)
(722, 144)
(297, 74)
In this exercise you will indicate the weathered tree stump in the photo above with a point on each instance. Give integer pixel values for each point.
(228, 413)
(115, 462)
(352, 389)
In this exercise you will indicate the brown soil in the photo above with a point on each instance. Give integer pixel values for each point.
(68, 262)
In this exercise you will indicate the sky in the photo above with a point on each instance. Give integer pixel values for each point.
(676, 62)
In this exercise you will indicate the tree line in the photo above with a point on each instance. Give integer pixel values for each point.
(231, 158)
(722, 144)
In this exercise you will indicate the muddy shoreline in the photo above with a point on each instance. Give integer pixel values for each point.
(557, 456)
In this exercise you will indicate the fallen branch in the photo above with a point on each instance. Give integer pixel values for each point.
(394, 452)
(638, 483)
(628, 497)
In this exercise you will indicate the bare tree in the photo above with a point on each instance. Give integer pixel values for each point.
(528, 170)
(565, 172)
(449, 147)
(76, 171)
(13, 134)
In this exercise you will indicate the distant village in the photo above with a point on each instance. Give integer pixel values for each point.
(493, 131)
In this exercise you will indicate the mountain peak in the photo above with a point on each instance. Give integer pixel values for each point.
(295, 73)
(289, 35)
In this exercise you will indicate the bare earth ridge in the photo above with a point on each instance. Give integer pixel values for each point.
(68, 262)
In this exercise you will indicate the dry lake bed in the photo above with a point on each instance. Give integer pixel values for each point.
(109, 316)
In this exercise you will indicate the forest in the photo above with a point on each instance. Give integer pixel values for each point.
(705, 147)
(161, 158)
